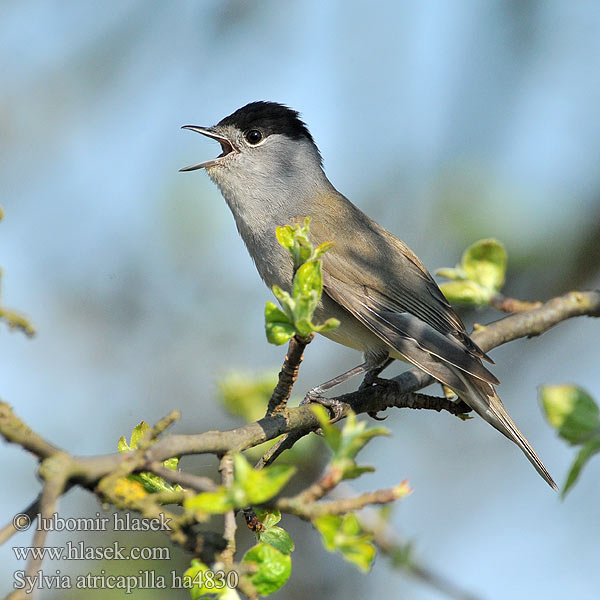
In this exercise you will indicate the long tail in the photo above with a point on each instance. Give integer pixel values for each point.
(484, 400)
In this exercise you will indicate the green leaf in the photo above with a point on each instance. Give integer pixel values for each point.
(286, 301)
(151, 482)
(138, 433)
(278, 538)
(331, 434)
(353, 471)
(294, 238)
(348, 442)
(484, 262)
(255, 487)
(343, 533)
(330, 324)
(201, 586)
(456, 274)
(466, 292)
(154, 483)
(274, 315)
(308, 279)
(217, 502)
(268, 517)
(322, 248)
(479, 276)
(273, 568)
(572, 411)
(278, 326)
(171, 463)
(285, 237)
(246, 395)
(307, 287)
(351, 439)
(587, 451)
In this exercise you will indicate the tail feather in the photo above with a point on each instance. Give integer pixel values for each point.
(484, 400)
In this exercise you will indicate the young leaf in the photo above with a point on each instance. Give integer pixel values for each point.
(484, 262)
(138, 433)
(151, 482)
(285, 237)
(456, 274)
(307, 287)
(256, 487)
(278, 538)
(572, 411)
(308, 279)
(278, 326)
(246, 395)
(273, 568)
(479, 276)
(330, 324)
(268, 517)
(197, 584)
(217, 502)
(465, 292)
(286, 301)
(587, 451)
(331, 434)
(355, 435)
(345, 535)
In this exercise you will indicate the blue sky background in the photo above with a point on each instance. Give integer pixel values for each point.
(446, 121)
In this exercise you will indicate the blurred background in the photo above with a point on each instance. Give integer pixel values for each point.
(446, 121)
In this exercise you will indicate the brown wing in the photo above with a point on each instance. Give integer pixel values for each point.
(376, 277)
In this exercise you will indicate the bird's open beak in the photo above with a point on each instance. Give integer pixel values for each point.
(226, 146)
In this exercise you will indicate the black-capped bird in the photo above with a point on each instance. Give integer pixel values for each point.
(270, 173)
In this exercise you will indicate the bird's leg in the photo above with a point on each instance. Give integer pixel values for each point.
(373, 373)
(336, 407)
(372, 378)
(373, 364)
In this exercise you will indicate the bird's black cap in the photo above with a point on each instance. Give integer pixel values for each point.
(269, 117)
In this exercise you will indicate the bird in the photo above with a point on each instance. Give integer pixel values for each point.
(270, 173)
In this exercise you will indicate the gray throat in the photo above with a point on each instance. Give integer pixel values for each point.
(262, 203)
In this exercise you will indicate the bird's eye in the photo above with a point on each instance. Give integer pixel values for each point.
(253, 136)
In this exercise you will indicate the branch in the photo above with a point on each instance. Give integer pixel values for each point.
(301, 418)
(106, 475)
(288, 374)
(298, 506)
(512, 305)
(226, 468)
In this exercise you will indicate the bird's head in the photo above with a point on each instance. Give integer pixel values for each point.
(264, 144)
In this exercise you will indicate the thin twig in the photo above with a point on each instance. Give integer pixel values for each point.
(297, 506)
(186, 480)
(25, 516)
(288, 375)
(230, 526)
(284, 443)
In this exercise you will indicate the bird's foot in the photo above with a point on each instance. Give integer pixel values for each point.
(372, 379)
(462, 407)
(336, 407)
(389, 384)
